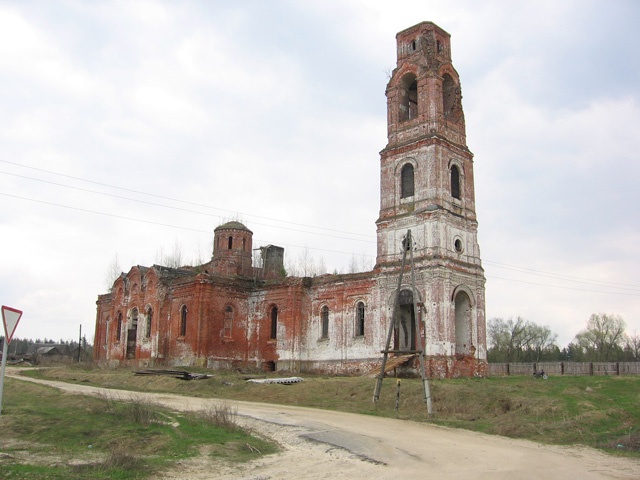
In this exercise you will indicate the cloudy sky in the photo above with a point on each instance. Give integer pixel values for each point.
(130, 130)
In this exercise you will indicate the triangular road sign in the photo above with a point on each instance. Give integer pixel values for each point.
(10, 319)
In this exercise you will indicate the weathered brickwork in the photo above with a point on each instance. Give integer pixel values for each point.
(231, 313)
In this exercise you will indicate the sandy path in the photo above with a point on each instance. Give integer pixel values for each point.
(319, 444)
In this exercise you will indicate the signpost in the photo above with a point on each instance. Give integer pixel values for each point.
(10, 319)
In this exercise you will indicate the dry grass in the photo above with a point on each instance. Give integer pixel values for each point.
(596, 411)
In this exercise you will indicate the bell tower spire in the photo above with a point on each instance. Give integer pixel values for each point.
(427, 186)
(426, 167)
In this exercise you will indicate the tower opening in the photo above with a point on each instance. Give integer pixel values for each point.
(408, 108)
(463, 324)
(455, 182)
(448, 94)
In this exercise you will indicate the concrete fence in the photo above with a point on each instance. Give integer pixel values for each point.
(565, 368)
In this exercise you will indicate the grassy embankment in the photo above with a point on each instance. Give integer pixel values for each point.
(50, 435)
(601, 412)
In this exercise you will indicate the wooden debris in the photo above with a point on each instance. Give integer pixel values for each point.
(280, 381)
(180, 374)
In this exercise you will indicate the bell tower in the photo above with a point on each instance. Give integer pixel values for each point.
(427, 186)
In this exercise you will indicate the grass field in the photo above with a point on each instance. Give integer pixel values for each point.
(601, 412)
(50, 435)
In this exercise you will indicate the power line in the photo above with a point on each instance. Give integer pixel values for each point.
(153, 223)
(181, 209)
(566, 278)
(169, 198)
(524, 270)
(565, 288)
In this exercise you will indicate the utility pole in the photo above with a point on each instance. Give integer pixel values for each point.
(79, 343)
(407, 246)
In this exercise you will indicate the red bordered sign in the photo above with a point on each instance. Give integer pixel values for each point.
(10, 319)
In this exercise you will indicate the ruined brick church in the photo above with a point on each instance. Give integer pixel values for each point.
(230, 313)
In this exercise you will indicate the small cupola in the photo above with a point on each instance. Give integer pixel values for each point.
(232, 249)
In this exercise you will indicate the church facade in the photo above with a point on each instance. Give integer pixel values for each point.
(230, 313)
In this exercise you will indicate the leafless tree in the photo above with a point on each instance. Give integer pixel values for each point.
(113, 272)
(173, 260)
(632, 345)
(306, 264)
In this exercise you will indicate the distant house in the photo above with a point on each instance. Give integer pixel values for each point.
(39, 352)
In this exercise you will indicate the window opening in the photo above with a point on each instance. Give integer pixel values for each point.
(325, 322)
(455, 182)
(274, 322)
(228, 321)
(183, 321)
(149, 322)
(360, 319)
(230, 245)
(119, 331)
(406, 181)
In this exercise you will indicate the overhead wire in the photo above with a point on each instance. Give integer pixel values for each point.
(515, 268)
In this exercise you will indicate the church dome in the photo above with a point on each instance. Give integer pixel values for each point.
(233, 225)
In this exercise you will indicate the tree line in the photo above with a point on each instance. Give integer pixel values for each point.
(603, 339)
(20, 347)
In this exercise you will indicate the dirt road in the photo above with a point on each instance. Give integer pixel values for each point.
(320, 444)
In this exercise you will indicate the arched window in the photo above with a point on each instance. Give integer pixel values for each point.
(119, 331)
(274, 322)
(183, 321)
(408, 107)
(455, 182)
(360, 319)
(406, 181)
(149, 322)
(325, 321)
(228, 321)
(230, 244)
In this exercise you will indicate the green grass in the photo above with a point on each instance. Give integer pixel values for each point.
(599, 411)
(47, 434)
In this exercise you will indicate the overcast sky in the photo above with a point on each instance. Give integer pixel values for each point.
(129, 128)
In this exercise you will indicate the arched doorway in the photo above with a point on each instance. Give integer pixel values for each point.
(132, 334)
(464, 339)
(404, 334)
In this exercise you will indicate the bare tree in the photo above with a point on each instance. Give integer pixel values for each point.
(322, 267)
(306, 264)
(353, 264)
(603, 336)
(173, 260)
(113, 272)
(512, 340)
(632, 345)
